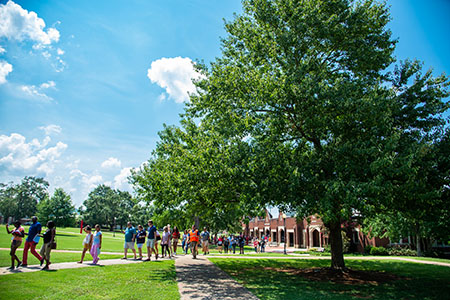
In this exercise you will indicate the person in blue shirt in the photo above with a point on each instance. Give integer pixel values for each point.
(130, 235)
(151, 240)
(31, 241)
(140, 239)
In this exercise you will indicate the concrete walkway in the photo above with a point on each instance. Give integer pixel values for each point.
(200, 279)
(69, 265)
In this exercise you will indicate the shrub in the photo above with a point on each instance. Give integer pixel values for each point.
(378, 251)
(367, 249)
(398, 251)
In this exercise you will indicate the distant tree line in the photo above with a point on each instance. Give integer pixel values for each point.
(104, 205)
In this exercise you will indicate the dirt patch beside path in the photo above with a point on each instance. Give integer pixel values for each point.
(348, 277)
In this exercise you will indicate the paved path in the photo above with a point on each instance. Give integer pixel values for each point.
(68, 265)
(200, 279)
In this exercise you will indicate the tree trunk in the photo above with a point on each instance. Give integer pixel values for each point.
(337, 255)
(419, 245)
(196, 222)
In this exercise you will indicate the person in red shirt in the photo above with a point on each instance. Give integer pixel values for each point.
(175, 238)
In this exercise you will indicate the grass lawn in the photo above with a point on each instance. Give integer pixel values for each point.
(55, 257)
(71, 239)
(278, 279)
(153, 280)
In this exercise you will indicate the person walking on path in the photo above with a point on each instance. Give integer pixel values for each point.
(226, 244)
(263, 244)
(205, 241)
(175, 238)
(151, 241)
(96, 245)
(219, 244)
(140, 239)
(32, 241)
(17, 234)
(241, 241)
(158, 238)
(193, 239)
(184, 242)
(87, 242)
(165, 242)
(234, 242)
(49, 239)
(130, 235)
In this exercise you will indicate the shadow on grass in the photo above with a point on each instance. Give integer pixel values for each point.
(263, 279)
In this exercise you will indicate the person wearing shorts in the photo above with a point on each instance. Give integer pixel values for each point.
(130, 235)
(140, 239)
(205, 241)
(49, 238)
(151, 238)
(87, 242)
(17, 234)
(193, 240)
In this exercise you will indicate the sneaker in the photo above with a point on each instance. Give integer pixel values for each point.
(79, 262)
(45, 268)
(24, 265)
(42, 262)
(123, 258)
(19, 264)
(10, 268)
(140, 258)
(156, 256)
(148, 259)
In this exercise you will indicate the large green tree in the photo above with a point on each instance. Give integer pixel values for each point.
(106, 206)
(197, 176)
(21, 200)
(307, 79)
(58, 208)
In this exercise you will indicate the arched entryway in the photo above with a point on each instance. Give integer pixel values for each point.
(282, 236)
(316, 238)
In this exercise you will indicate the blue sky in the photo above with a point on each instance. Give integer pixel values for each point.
(83, 97)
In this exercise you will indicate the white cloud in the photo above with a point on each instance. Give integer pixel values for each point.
(49, 84)
(19, 24)
(175, 76)
(51, 129)
(33, 92)
(38, 92)
(2, 50)
(59, 51)
(121, 180)
(162, 97)
(5, 69)
(16, 155)
(88, 182)
(111, 162)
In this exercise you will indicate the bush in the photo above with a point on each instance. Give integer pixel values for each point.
(378, 251)
(367, 249)
(398, 251)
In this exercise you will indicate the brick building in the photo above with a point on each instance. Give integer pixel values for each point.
(304, 234)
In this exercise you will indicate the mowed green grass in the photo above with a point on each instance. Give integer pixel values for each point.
(152, 280)
(71, 239)
(417, 281)
(55, 257)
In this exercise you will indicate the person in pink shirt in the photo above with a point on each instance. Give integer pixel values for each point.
(17, 234)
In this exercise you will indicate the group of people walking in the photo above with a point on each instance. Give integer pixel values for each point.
(33, 237)
(150, 237)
